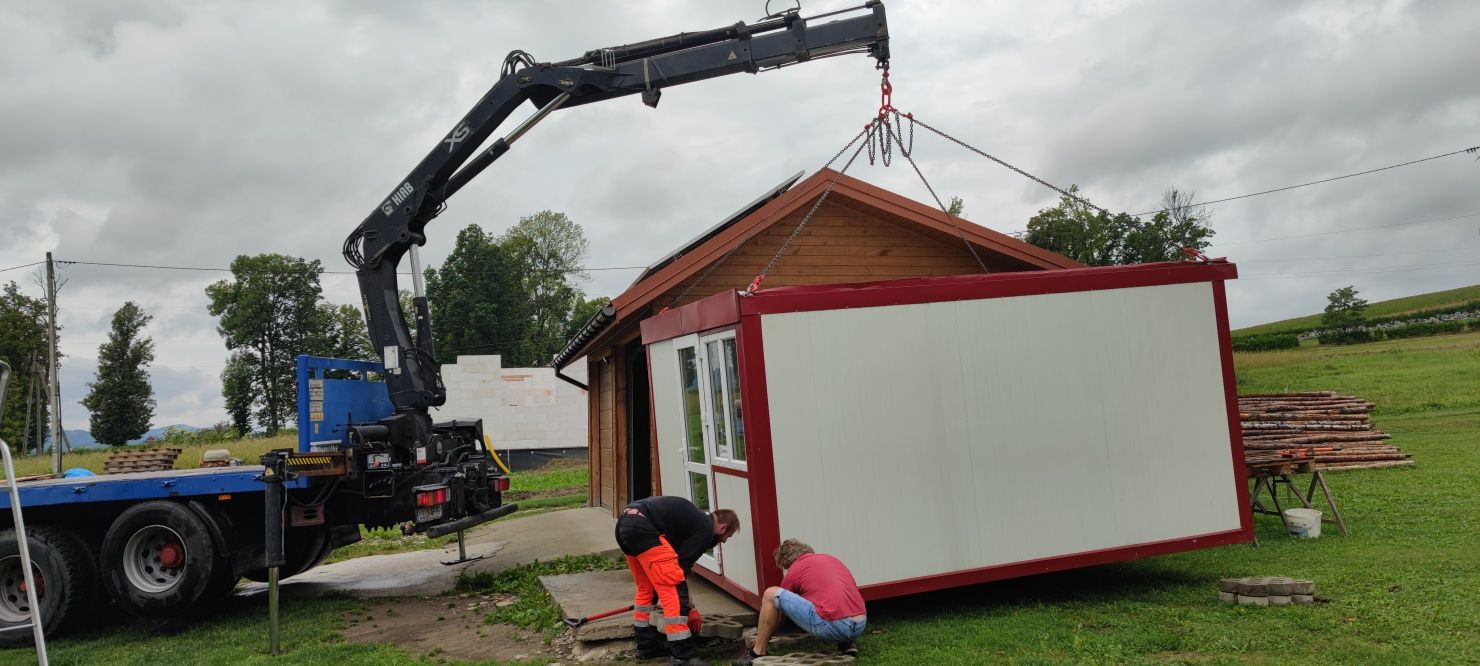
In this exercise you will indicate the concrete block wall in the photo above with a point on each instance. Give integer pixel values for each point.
(521, 408)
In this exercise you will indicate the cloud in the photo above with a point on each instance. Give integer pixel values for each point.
(185, 134)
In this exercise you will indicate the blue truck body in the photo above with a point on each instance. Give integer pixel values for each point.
(331, 392)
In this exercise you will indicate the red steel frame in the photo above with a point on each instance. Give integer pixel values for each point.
(725, 309)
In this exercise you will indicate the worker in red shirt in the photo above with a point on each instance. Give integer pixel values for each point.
(662, 538)
(818, 593)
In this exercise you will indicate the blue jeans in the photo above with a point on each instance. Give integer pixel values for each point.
(802, 612)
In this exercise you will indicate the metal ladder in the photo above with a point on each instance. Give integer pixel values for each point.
(20, 532)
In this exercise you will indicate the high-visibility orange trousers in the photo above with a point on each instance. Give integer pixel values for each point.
(657, 574)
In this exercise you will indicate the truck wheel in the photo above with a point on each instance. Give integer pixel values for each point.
(158, 559)
(65, 577)
(303, 549)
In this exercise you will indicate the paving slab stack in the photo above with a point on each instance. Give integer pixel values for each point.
(1266, 591)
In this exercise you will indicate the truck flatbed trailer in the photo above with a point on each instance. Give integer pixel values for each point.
(140, 486)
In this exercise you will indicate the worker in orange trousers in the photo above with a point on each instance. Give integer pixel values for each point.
(662, 538)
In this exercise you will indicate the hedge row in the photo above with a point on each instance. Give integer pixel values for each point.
(1424, 314)
(1426, 328)
(1255, 343)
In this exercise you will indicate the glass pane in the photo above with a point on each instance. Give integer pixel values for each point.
(688, 375)
(717, 396)
(699, 490)
(732, 377)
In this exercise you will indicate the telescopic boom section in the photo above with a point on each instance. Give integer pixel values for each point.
(377, 245)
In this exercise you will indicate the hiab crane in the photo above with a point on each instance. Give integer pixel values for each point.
(161, 543)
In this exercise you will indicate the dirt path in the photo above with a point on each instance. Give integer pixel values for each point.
(449, 627)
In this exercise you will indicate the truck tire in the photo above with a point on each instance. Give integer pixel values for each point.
(158, 559)
(66, 581)
(303, 548)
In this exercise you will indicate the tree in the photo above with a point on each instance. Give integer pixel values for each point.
(269, 314)
(348, 336)
(477, 299)
(548, 249)
(236, 388)
(1097, 238)
(23, 346)
(957, 207)
(120, 398)
(1344, 316)
(582, 313)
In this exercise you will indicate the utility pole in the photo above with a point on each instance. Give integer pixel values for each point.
(51, 364)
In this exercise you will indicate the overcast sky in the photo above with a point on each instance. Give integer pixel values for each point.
(186, 133)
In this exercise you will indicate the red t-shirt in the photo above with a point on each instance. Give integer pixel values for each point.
(824, 581)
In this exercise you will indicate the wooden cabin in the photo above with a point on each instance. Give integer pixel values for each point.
(860, 233)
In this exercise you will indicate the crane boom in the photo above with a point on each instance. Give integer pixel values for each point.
(376, 246)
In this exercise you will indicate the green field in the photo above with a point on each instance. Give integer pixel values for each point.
(1403, 587)
(1397, 306)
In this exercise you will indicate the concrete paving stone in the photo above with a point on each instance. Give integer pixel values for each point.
(1228, 585)
(806, 659)
(1230, 597)
(1250, 600)
(1281, 586)
(1303, 587)
(1253, 587)
(583, 594)
(1279, 600)
(1303, 599)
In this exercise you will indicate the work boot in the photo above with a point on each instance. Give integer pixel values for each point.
(685, 653)
(746, 658)
(650, 643)
(848, 648)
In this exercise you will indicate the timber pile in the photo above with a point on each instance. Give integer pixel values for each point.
(147, 460)
(1331, 429)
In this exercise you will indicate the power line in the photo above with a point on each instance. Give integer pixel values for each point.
(1393, 269)
(1337, 231)
(34, 263)
(322, 272)
(1471, 150)
(1356, 256)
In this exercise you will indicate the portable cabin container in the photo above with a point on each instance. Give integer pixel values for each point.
(945, 431)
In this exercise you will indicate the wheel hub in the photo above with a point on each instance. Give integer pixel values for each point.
(155, 559)
(14, 606)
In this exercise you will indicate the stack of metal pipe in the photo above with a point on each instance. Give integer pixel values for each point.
(1332, 429)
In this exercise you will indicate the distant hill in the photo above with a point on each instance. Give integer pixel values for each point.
(82, 439)
(1397, 306)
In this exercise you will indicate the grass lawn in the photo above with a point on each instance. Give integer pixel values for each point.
(1404, 587)
(248, 450)
(237, 633)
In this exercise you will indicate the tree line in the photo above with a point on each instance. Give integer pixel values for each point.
(516, 295)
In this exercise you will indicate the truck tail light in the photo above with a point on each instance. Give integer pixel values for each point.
(433, 496)
(501, 483)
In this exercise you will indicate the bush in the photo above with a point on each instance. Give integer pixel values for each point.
(1424, 328)
(1268, 342)
(1347, 337)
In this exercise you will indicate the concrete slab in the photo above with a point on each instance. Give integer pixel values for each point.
(583, 594)
(504, 543)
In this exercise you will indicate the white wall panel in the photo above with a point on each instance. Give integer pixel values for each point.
(663, 369)
(921, 439)
(733, 492)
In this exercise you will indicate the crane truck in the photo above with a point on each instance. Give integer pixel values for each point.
(162, 544)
